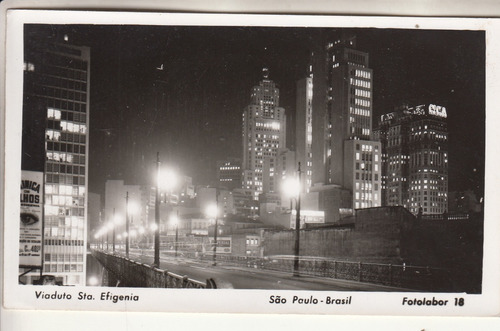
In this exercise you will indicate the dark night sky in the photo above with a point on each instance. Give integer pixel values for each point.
(191, 111)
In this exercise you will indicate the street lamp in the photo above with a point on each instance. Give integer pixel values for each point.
(212, 212)
(292, 188)
(126, 225)
(166, 180)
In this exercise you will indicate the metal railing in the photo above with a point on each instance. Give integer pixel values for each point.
(130, 273)
(402, 276)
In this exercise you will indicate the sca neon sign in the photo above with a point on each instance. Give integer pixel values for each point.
(439, 111)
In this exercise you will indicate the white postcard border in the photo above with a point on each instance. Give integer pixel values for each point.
(246, 301)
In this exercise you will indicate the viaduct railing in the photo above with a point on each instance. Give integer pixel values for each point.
(126, 272)
(406, 277)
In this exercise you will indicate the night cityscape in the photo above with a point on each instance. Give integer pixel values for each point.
(304, 155)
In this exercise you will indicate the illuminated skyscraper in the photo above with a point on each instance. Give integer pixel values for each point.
(55, 142)
(415, 158)
(344, 153)
(264, 130)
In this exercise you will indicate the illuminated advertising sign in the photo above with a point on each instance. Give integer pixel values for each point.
(419, 110)
(307, 216)
(438, 111)
(30, 235)
(223, 245)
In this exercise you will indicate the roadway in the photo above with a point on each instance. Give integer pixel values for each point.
(240, 277)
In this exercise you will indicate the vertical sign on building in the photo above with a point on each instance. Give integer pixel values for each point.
(30, 235)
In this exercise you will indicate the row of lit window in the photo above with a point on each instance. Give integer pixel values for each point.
(362, 102)
(66, 157)
(63, 221)
(65, 190)
(73, 127)
(63, 267)
(265, 136)
(366, 196)
(365, 186)
(363, 74)
(366, 157)
(51, 210)
(397, 179)
(362, 93)
(363, 204)
(65, 179)
(64, 200)
(358, 111)
(254, 242)
(230, 168)
(60, 257)
(361, 83)
(425, 187)
(72, 233)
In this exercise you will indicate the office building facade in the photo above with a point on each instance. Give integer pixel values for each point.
(344, 153)
(55, 142)
(415, 158)
(264, 132)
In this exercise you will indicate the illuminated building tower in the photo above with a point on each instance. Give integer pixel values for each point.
(55, 136)
(304, 128)
(344, 153)
(415, 166)
(264, 129)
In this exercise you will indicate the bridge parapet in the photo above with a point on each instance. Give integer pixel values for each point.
(131, 273)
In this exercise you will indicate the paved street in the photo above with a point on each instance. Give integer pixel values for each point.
(229, 276)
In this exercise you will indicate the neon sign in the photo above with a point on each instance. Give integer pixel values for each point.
(437, 111)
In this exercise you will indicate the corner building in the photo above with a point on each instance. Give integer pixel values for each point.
(55, 141)
(415, 158)
(264, 132)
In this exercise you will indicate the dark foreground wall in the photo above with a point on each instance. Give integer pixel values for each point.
(391, 235)
(375, 236)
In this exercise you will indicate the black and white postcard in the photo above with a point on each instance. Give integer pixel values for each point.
(170, 162)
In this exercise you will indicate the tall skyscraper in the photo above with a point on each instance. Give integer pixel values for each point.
(55, 142)
(415, 158)
(344, 153)
(264, 132)
(304, 128)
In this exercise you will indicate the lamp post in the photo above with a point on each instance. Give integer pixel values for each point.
(156, 262)
(297, 229)
(175, 221)
(212, 211)
(127, 240)
(292, 187)
(107, 239)
(168, 181)
(114, 232)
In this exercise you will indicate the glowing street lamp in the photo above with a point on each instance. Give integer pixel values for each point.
(212, 212)
(292, 188)
(166, 180)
